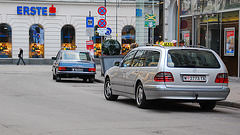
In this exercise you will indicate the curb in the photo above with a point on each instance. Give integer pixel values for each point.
(229, 104)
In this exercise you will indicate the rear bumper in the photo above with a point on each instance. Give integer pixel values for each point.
(161, 92)
(71, 74)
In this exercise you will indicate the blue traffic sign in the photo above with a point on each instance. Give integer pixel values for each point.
(90, 22)
(109, 31)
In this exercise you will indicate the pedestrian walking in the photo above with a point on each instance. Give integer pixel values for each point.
(20, 56)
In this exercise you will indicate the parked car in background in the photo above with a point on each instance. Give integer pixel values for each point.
(169, 73)
(73, 63)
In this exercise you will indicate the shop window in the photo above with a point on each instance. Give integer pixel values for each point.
(128, 37)
(5, 41)
(97, 42)
(36, 41)
(68, 38)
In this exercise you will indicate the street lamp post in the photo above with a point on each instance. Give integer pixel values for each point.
(117, 4)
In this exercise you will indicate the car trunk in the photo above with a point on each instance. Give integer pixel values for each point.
(77, 65)
(192, 68)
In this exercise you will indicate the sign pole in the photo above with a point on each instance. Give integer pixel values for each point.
(153, 27)
(178, 34)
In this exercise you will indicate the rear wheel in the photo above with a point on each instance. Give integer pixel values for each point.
(91, 80)
(208, 105)
(84, 79)
(58, 78)
(108, 91)
(140, 96)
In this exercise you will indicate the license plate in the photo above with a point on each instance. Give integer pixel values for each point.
(194, 78)
(77, 69)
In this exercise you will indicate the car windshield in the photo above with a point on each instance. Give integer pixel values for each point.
(189, 58)
(72, 55)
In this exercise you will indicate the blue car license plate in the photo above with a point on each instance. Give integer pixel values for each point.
(77, 69)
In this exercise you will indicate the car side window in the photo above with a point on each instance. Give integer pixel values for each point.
(137, 57)
(142, 59)
(152, 58)
(57, 57)
(127, 62)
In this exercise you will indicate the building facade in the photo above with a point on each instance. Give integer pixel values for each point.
(41, 28)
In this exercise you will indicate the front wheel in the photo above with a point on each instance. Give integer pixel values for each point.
(140, 96)
(208, 105)
(108, 91)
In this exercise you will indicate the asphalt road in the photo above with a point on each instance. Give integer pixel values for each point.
(31, 103)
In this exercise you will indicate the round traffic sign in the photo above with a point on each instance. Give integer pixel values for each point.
(102, 23)
(102, 10)
(109, 31)
(184, 24)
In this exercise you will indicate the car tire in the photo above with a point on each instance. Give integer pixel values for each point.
(140, 96)
(84, 80)
(54, 77)
(58, 78)
(108, 91)
(91, 80)
(208, 105)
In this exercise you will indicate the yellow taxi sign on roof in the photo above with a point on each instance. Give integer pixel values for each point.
(167, 44)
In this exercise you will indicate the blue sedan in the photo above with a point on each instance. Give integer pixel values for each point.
(73, 64)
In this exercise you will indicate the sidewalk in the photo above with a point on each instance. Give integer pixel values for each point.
(233, 99)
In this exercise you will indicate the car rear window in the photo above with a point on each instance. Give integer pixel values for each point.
(189, 58)
(71, 55)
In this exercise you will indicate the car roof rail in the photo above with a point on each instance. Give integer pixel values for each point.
(197, 46)
(155, 45)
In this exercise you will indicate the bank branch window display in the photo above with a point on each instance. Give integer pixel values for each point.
(128, 37)
(5, 41)
(36, 41)
(68, 38)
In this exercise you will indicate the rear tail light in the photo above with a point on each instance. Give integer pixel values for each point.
(164, 77)
(222, 78)
(91, 69)
(62, 68)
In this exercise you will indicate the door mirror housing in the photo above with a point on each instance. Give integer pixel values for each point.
(53, 58)
(116, 63)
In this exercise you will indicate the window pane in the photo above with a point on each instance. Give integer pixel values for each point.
(70, 55)
(136, 59)
(128, 59)
(152, 58)
(192, 59)
(5, 41)
(128, 37)
(68, 38)
(36, 41)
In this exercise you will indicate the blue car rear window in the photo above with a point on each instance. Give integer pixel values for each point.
(72, 55)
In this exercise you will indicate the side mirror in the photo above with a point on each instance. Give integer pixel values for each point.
(53, 58)
(116, 63)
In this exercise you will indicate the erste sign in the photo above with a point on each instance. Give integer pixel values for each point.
(25, 10)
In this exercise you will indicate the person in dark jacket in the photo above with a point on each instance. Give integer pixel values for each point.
(20, 56)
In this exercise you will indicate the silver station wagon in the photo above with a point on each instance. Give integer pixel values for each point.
(169, 73)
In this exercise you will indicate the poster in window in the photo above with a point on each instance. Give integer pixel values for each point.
(186, 37)
(229, 41)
